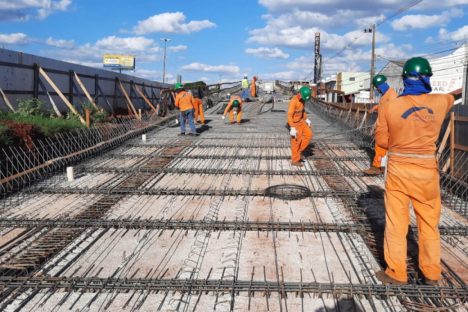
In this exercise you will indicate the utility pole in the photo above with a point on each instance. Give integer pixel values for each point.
(372, 70)
(317, 59)
(164, 62)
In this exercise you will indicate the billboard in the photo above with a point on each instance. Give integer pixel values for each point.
(119, 61)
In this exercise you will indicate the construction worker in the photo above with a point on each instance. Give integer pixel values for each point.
(300, 125)
(234, 107)
(185, 103)
(408, 127)
(245, 88)
(388, 94)
(253, 87)
(198, 106)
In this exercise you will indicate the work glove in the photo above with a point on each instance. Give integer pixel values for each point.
(293, 132)
(223, 117)
(177, 121)
(308, 122)
(383, 161)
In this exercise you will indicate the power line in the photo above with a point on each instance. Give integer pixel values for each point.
(397, 13)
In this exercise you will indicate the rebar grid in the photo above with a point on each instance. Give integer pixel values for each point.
(251, 287)
(349, 235)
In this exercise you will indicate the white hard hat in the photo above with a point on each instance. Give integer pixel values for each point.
(245, 75)
(229, 94)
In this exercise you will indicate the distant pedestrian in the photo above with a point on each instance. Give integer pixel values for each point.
(245, 88)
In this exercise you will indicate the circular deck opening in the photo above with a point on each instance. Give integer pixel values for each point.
(288, 191)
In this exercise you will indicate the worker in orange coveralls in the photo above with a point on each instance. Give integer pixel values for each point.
(234, 106)
(184, 102)
(198, 106)
(388, 94)
(300, 126)
(409, 127)
(253, 87)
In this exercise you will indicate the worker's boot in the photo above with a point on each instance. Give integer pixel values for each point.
(373, 171)
(297, 164)
(431, 282)
(387, 280)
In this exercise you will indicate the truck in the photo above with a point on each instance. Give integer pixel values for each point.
(269, 87)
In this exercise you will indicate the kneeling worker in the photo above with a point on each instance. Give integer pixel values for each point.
(388, 94)
(300, 126)
(409, 127)
(234, 106)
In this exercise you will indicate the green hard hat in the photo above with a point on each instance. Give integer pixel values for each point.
(305, 93)
(378, 80)
(235, 103)
(418, 65)
(178, 86)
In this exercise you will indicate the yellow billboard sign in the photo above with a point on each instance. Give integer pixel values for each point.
(119, 61)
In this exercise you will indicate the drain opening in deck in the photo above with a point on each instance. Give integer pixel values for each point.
(288, 191)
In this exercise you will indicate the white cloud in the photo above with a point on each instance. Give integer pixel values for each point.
(217, 69)
(14, 38)
(268, 52)
(170, 23)
(304, 38)
(457, 35)
(24, 9)
(90, 54)
(329, 5)
(419, 21)
(60, 43)
(129, 44)
(369, 20)
(283, 75)
(177, 48)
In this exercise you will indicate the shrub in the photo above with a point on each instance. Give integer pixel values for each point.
(6, 136)
(97, 116)
(47, 126)
(30, 107)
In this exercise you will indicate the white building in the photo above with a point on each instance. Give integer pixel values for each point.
(352, 82)
(448, 72)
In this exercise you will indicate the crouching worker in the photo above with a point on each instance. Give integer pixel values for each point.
(388, 94)
(300, 126)
(234, 107)
(184, 102)
(408, 127)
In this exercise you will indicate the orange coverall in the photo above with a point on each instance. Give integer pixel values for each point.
(297, 119)
(184, 101)
(198, 106)
(253, 87)
(381, 152)
(409, 127)
(231, 109)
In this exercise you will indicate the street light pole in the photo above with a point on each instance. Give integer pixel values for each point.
(372, 70)
(164, 62)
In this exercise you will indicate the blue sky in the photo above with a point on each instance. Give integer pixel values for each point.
(222, 40)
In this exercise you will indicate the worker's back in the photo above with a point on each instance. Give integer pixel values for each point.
(414, 122)
(184, 101)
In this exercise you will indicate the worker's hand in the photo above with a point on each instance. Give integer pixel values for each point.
(308, 122)
(177, 121)
(223, 117)
(293, 132)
